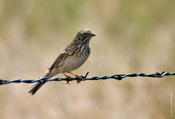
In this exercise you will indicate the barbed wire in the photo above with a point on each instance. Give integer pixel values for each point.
(85, 78)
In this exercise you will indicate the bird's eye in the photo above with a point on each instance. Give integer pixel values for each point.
(84, 34)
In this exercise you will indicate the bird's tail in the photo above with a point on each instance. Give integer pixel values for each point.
(38, 85)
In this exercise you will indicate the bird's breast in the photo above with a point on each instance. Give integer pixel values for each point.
(73, 62)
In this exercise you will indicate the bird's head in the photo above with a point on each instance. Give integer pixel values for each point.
(84, 36)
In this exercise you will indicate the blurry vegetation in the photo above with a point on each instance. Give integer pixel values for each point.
(132, 36)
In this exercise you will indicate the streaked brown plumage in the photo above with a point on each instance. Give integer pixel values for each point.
(75, 54)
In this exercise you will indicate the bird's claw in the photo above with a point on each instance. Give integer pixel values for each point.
(79, 79)
(68, 79)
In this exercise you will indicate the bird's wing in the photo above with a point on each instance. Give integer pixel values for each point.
(68, 51)
(59, 61)
(71, 49)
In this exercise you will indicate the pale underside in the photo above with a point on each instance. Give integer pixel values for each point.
(70, 63)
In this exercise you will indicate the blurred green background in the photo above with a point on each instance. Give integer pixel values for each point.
(132, 36)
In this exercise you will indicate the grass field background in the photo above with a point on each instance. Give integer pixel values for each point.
(132, 36)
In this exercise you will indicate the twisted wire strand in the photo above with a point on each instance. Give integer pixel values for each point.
(85, 78)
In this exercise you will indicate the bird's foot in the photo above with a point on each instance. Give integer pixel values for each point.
(79, 79)
(68, 78)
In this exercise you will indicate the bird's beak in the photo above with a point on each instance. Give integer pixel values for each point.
(92, 35)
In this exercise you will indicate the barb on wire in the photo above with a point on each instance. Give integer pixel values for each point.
(85, 78)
